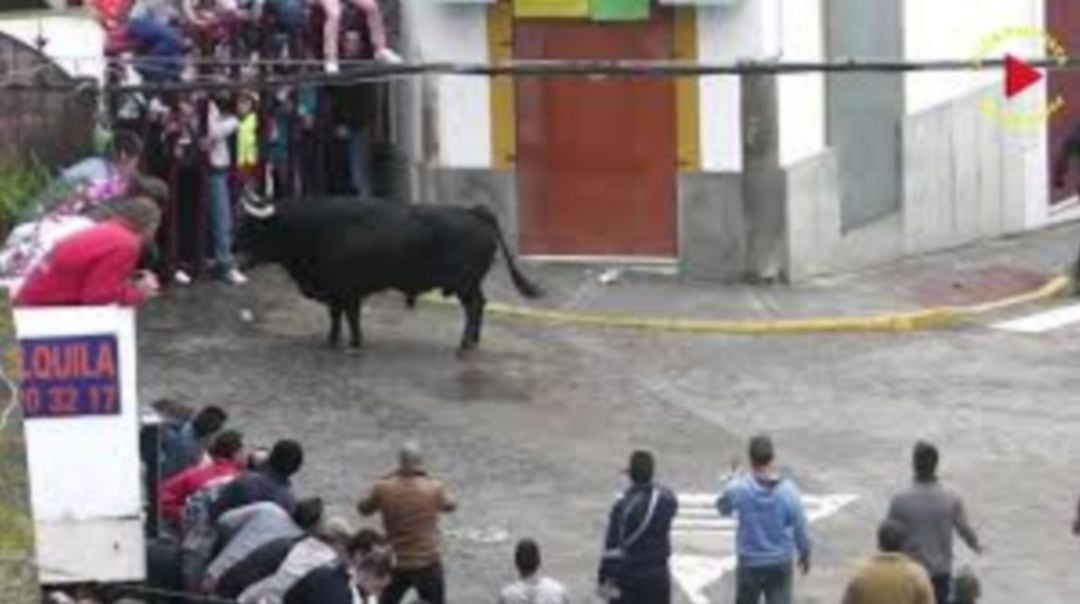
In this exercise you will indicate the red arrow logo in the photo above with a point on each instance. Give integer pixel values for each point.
(1019, 76)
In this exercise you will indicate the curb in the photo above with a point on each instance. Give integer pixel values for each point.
(930, 318)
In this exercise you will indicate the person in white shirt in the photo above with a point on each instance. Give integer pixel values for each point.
(221, 125)
(532, 587)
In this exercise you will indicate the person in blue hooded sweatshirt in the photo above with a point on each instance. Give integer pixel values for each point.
(772, 528)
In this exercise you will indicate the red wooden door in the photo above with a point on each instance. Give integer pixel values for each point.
(1063, 24)
(596, 158)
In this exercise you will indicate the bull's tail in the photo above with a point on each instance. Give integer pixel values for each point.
(522, 283)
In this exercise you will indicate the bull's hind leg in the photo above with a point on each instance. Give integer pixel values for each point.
(473, 302)
(352, 314)
(335, 325)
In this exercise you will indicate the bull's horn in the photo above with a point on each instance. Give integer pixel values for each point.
(262, 213)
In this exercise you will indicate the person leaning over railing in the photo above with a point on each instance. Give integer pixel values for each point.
(97, 266)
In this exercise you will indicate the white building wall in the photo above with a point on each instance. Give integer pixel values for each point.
(801, 97)
(727, 34)
(75, 41)
(958, 29)
(456, 33)
(936, 29)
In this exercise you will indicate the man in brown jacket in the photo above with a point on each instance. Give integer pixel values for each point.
(410, 502)
(891, 577)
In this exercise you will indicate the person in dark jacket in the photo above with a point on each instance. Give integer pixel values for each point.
(352, 109)
(269, 483)
(634, 569)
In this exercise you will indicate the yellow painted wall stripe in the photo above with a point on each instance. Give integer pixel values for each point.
(687, 102)
(503, 118)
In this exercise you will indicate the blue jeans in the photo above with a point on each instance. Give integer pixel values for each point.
(161, 46)
(358, 158)
(289, 14)
(219, 213)
(770, 582)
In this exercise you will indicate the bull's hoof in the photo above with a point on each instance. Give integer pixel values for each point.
(467, 350)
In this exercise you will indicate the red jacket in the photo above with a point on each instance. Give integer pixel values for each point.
(175, 492)
(91, 267)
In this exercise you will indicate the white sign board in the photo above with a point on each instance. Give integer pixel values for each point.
(79, 399)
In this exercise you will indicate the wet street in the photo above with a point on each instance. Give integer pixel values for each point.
(530, 433)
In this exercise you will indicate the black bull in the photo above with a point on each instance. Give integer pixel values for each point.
(339, 251)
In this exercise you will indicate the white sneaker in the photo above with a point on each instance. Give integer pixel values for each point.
(386, 55)
(182, 278)
(235, 277)
(332, 67)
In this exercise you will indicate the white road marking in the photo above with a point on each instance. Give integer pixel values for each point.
(1043, 321)
(705, 541)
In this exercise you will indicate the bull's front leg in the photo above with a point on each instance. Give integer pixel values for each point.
(352, 314)
(335, 324)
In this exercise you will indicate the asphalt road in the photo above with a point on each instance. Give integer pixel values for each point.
(531, 432)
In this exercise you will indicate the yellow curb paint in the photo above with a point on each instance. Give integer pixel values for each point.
(1052, 288)
(930, 318)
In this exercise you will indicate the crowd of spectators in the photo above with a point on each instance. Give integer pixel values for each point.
(198, 153)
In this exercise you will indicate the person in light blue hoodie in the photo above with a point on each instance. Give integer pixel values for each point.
(772, 528)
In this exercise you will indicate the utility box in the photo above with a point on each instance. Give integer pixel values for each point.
(82, 423)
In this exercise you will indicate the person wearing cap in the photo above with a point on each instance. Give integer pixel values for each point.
(772, 530)
(411, 502)
(97, 265)
(634, 567)
(931, 514)
(891, 577)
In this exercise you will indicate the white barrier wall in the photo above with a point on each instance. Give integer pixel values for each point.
(82, 436)
(801, 97)
(75, 41)
(454, 33)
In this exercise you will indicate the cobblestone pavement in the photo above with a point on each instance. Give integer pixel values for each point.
(532, 431)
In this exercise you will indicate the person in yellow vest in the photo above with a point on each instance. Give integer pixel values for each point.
(247, 141)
